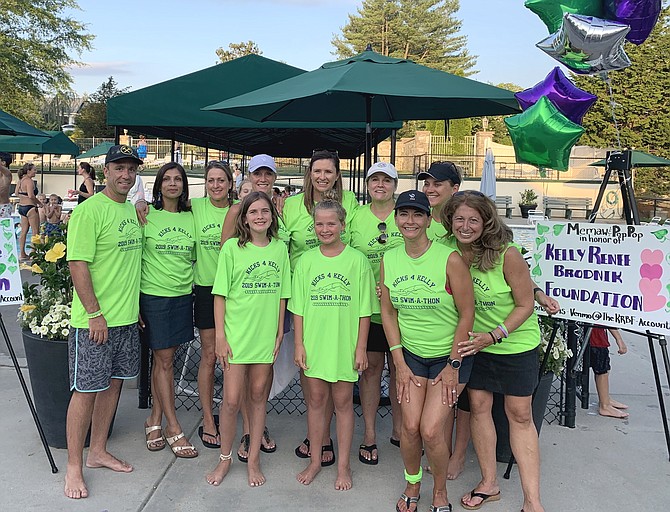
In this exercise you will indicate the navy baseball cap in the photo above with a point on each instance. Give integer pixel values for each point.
(121, 152)
(413, 199)
(442, 171)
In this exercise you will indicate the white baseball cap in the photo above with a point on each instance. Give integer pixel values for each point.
(262, 160)
(383, 167)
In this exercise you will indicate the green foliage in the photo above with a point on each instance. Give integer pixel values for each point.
(236, 50)
(424, 31)
(640, 94)
(92, 118)
(37, 38)
(652, 182)
(496, 123)
(528, 196)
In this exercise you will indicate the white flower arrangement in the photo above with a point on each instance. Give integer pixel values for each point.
(46, 316)
(559, 350)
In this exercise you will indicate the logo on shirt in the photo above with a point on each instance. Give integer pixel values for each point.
(130, 235)
(414, 291)
(262, 277)
(330, 289)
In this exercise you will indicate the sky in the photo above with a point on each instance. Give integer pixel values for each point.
(141, 43)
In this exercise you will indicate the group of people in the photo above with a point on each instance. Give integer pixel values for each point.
(432, 281)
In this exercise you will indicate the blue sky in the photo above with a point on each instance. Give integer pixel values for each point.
(144, 42)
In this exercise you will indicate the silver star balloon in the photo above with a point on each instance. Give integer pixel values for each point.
(588, 45)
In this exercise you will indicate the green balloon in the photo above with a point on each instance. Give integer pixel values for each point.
(551, 11)
(543, 136)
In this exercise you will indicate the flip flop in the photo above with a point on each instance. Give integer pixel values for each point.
(484, 497)
(409, 501)
(441, 508)
(266, 439)
(245, 440)
(207, 444)
(299, 453)
(395, 442)
(327, 448)
(367, 448)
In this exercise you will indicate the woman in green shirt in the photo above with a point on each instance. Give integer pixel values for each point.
(440, 182)
(504, 343)
(427, 308)
(166, 300)
(373, 232)
(323, 176)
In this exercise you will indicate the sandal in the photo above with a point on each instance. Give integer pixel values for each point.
(245, 441)
(441, 508)
(178, 449)
(154, 445)
(409, 501)
(299, 452)
(327, 448)
(266, 441)
(207, 444)
(484, 497)
(367, 448)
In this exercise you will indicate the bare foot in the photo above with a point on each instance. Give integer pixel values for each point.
(411, 491)
(107, 460)
(612, 412)
(455, 468)
(255, 475)
(220, 471)
(308, 475)
(617, 405)
(75, 487)
(343, 482)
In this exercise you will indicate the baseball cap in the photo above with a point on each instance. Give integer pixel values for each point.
(382, 167)
(121, 152)
(442, 171)
(262, 160)
(413, 199)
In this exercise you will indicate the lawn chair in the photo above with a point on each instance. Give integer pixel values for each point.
(534, 216)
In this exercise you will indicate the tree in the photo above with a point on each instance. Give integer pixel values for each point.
(37, 38)
(640, 96)
(424, 31)
(236, 50)
(92, 118)
(496, 123)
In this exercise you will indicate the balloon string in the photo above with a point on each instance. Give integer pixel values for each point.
(608, 81)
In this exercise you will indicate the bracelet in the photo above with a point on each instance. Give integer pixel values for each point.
(536, 289)
(395, 347)
(503, 329)
(90, 316)
(493, 338)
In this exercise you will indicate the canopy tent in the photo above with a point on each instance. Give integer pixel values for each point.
(370, 88)
(10, 125)
(172, 109)
(53, 143)
(640, 159)
(99, 150)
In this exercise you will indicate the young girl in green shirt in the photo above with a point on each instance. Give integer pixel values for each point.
(332, 303)
(253, 274)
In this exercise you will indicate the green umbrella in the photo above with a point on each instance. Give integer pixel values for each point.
(371, 88)
(10, 125)
(640, 159)
(99, 150)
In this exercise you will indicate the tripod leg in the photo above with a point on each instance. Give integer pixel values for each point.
(659, 391)
(29, 399)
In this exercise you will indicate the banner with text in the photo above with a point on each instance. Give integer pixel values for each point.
(11, 289)
(614, 275)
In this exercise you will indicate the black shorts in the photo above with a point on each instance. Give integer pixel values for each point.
(377, 339)
(600, 360)
(168, 321)
(430, 367)
(510, 374)
(203, 311)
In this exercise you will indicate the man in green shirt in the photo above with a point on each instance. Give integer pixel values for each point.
(104, 250)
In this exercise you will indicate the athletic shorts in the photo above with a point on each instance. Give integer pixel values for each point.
(377, 339)
(203, 307)
(430, 367)
(168, 321)
(509, 374)
(93, 366)
(600, 360)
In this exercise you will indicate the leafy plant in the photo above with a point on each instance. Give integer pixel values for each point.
(528, 196)
(46, 307)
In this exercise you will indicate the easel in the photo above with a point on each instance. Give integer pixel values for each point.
(620, 161)
(29, 399)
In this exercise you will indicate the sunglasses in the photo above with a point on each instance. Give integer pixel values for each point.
(332, 152)
(383, 237)
(469, 193)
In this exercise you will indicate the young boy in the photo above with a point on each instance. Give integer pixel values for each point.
(600, 362)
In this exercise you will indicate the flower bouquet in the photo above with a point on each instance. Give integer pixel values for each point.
(559, 350)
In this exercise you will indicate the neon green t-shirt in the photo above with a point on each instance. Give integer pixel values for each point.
(435, 230)
(253, 280)
(300, 224)
(427, 314)
(493, 303)
(106, 235)
(331, 294)
(168, 254)
(208, 223)
(365, 238)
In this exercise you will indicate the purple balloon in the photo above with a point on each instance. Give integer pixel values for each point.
(572, 101)
(641, 15)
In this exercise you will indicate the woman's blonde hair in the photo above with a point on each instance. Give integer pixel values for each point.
(25, 170)
(496, 236)
(330, 202)
(322, 154)
(242, 230)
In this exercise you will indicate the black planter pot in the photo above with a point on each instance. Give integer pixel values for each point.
(50, 383)
(525, 208)
(503, 448)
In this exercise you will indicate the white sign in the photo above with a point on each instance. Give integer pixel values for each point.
(607, 274)
(11, 289)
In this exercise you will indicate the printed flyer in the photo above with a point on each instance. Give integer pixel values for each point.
(11, 289)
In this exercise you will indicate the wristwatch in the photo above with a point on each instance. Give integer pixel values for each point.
(455, 363)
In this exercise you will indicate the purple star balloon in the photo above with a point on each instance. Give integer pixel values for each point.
(572, 101)
(641, 15)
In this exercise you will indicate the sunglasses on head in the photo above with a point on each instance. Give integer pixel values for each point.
(383, 237)
(332, 152)
(470, 193)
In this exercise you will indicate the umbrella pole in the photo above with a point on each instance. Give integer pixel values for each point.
(368, 133)
(394, 140)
